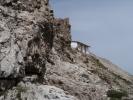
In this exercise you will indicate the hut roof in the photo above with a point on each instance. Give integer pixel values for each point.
(81, 43)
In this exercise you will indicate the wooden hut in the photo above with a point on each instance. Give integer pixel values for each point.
(80, 46)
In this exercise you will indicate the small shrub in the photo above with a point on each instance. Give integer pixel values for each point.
(20, 90)
(116, 94)
(85, 76)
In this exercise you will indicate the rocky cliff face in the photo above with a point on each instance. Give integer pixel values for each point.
(25, 39)
(38, 63)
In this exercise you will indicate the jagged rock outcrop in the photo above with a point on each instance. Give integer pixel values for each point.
(35, 49)
(62, 38)
(25, 39)
(62, 26)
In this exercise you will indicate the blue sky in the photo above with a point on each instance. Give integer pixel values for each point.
(107, 25)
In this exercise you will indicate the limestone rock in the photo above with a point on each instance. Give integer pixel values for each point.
(23, 45)
(28, 91)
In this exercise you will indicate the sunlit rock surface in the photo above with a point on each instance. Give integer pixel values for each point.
(38, 63)
(28, 91)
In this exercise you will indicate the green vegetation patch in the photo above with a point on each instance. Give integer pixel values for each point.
(116, 94)
(20, 90)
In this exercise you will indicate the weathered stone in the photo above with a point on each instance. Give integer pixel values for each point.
(32, 40)
(28, 91)
(25, 38)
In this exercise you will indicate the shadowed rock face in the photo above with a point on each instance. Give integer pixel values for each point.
(25, 38)
(62, 27)
(38, 50)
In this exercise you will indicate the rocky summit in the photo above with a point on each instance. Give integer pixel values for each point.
(37, 61)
